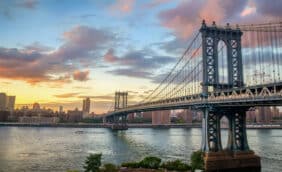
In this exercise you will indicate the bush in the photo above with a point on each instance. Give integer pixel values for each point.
(150, 162)
(93, 163)
(176, 165)
(131, 164)
(109, 168)
(197, 161)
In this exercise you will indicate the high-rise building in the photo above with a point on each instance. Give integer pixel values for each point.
(186, 115)
(36, 106)
(275, 112)
(10, 103)
(61, 110)
(263, 114)
(161, 117)
(3, 101)
(86, 107)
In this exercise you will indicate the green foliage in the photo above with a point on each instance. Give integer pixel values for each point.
(72, 171)
(197, 161)
(131, 164)
(150, 162)
(176, 165)
(109, 168)
(93, 163)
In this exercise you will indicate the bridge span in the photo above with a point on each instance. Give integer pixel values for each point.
(225, 71)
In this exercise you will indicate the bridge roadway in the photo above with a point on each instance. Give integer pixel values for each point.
(250, 96)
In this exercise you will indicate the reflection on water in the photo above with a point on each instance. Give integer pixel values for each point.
(59, 149)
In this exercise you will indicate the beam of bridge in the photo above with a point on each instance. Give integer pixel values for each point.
(202, 82)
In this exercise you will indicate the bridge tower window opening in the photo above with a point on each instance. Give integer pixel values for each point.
(225, 133)
(222, 63)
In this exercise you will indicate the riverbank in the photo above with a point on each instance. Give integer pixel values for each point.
(99, 125)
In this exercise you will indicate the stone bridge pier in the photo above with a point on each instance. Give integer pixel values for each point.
(117, 122)
(236, 156)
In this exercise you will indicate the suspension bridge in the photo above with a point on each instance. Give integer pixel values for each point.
(225, 71)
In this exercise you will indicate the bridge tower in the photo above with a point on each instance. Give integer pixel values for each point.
(119, 121)
(120, 100)
(236, 156)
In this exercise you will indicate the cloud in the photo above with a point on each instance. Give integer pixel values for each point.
(67, 95)
(144, 59)
(82, 88)
(81, 75)
(37, 63)
(84, 42)
(29, 4)
(186, 18)
(109, 56)
(122, 7)
(107, 97)
(270, 8)
(137, 63)
(37, 47)
(155, 3)
(131, 72)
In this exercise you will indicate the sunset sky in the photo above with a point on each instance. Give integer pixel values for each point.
(55, 52)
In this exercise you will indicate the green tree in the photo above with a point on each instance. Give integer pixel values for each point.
(197, 161)
(150, 162)
(176, 165)
(109, 168)
(93, 163)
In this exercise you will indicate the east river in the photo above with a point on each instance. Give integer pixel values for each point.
(59, 149)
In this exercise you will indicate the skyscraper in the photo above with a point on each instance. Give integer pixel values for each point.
(86, 107)
(3, 101)
(36, 107)
(61, 110)
(10, 103)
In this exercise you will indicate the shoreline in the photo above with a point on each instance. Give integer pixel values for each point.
(97, 125)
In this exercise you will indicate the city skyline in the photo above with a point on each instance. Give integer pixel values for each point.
(55, 53)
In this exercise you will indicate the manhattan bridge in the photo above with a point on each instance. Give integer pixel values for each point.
(224, 72)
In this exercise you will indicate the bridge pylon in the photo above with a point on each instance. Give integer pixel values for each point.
(236, 156)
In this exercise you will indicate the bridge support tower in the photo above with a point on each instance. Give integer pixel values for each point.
(236, 156)
(120, 122)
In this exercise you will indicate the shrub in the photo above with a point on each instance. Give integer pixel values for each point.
(197, 161)
(176, 165)
(150, 162)
(93, 163)
(131, 164)
(109, 168)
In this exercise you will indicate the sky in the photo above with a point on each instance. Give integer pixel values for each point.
(56, 52)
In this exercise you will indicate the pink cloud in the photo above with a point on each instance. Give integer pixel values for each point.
(186, 18)
(110, 57)
(122, 7)
(155, 3)
(81, 75)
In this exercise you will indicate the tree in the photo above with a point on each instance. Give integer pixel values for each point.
(93, 163)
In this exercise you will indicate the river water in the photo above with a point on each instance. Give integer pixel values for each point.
(60, 149)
